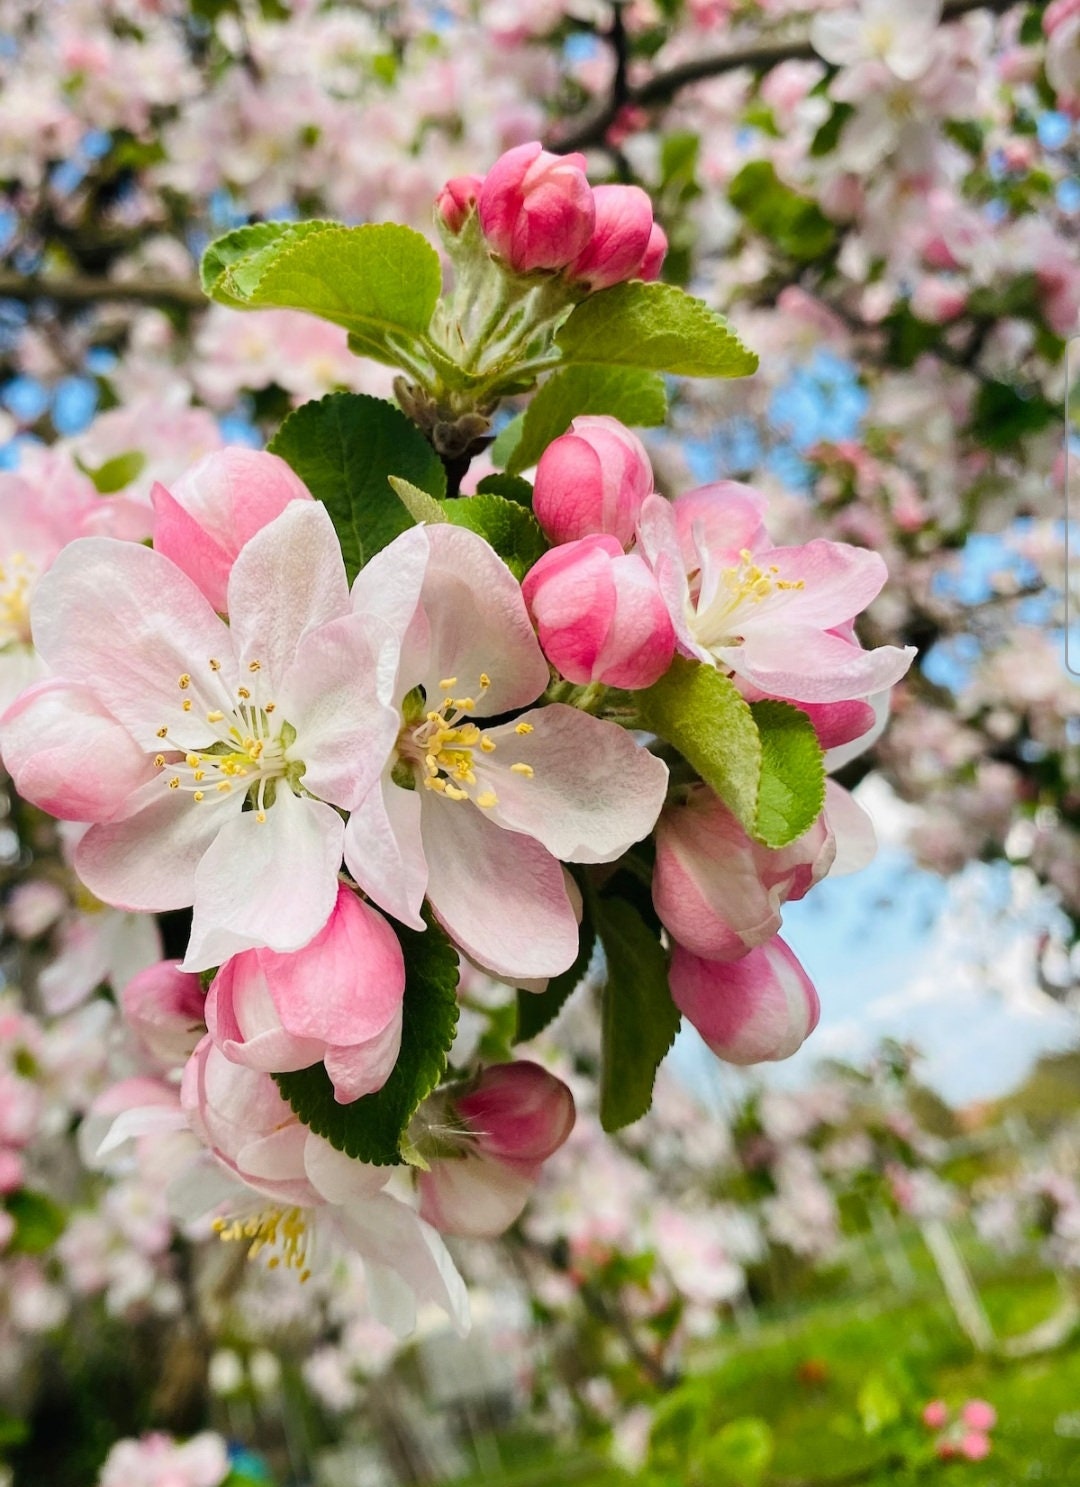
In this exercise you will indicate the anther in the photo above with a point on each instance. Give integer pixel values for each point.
(487, 800)
(159, 761)
(215, 716)
(522, 769)
(186, 704)
(523, 728)
(254, 665)
(448, 682)
(487, 745)
(199, 795)
(163, 733)
(184, 682)
(243, 693)
(214, 665)
(174, 783)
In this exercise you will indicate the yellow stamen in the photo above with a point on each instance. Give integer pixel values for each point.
(448, 682)
(487, 800)
(159, 761)
(523, 728)
(522, 769)
(184, 682)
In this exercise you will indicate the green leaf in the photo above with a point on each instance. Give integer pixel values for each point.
(828, 136)
(378, 280)
(1004, 415)
(738, 1454)
(512, 530)
(373, 1128)
(794, 223)
(344, 448)
(634, 396)
(244, 252)
(657, 326)
(39, 1222)
(639, 1019)
(116, 473)
(536, 1009)
(507, 440)
(791, 789)
(512, 487)
(704, 715)
(420, 506)
(878, 1406)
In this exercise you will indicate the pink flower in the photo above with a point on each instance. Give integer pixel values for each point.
(718, 892)
(156, 1460)
(501, 1131)
(456, 200)
(480, 819)
(335, 1001)
(536, 209)
(163, 1006)
(216, 715)
(975, 1446)
(593, 478)
(655, 253)
(903, 37)
(600, 614)
(217, 506)
(935, 1415)
(777, 617)
(620, 239)
(979, 1415)
(759, 1008)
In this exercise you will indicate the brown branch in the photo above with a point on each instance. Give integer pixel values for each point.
(88, 290)
(663, 86)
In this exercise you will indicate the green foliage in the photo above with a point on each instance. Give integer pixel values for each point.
(791, 787)
(793, 223)
(373, 1128)
(1004, 415)
(39, 1222)
(380, 281)
(511, 487)
(631, 394)
(510, 528)
(420, 506)
(656, 326)
(536, 1009)
(639, 1019)
(344, 448)
(828, 136)
(116, 473)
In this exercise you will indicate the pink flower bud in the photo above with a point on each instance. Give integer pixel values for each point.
(163, 1006)
(935, 1415)
(760, 1008)
(456, 200)
(336, 1001)
(593, 478)
(600, 614)
(217, 506)
(513, 1117)
(975, 1446)
(620, 239)
(536, 209)
(655, 253)
(936, 300)
(717, 892)
(978, 1414)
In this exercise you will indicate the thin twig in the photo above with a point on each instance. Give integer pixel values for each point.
(85, 289)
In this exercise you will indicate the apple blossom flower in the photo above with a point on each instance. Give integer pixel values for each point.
(493, 1141)
(759, 1008)
(203, 521)
(599, 614)
(481, 819)
(977, 1414)
(156, 1460)
(777, 617)
(163, 1006)
(259, 713)
(935, 1415)
(620, 241)
(536, 209)
(903, 37)
(655, 253)
(336, 1001)
(592, 479)
(974, 1445)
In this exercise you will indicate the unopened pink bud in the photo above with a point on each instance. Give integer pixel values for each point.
(163, 1006)
(600, 614)
(213, 509)
(456, 200)
(749, 1011)
(655, 253)
(975, 1446)
(620, 240)
(594, 478)
(935, 1415)
(979, 1415)
(537, 209)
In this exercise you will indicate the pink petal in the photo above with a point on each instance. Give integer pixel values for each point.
(384, 851)
(388, 586)
(814, 665)
(364, 1067)
(759, 1008)
(853, 829)
(501, 896)
(389, 1236)
(271, 882)
(593, 790)
(123, 621)
(473, 1196)
(839, 580)
(180, 538)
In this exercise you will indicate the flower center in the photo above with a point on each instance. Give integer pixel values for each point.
(745, 583)
(284, 1231)
(249, 748)
(17, 575)
(445, 746)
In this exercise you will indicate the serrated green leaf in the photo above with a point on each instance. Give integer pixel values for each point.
(39, 1222)
(372, 1129)
(344, 448)
(420, 506)
(244, 252)
(511, 529)
(116, 473)
(639, 1020)
(794, 223)
(656, 326)
(507, 440)
(791, 789)
(512, 487)
(704, 715)
(633, 395)
(536, 1009)
(378, 280)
